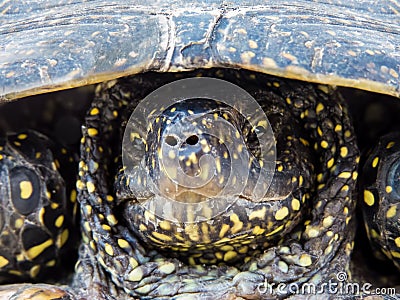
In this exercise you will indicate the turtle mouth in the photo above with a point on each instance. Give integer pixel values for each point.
(200, 175)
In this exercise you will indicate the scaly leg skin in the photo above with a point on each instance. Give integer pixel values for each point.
(35, 291)
(315, 251)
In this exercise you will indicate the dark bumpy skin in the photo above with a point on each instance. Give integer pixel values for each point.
(379, 198)
(37, 207)
(115, 261)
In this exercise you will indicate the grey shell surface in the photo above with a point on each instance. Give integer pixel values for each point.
(52, 45)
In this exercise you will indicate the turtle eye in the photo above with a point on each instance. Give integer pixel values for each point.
(25, 190)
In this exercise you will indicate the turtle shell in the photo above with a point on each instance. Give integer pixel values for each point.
(60, 44)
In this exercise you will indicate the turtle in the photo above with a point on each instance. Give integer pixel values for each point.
(288, 56)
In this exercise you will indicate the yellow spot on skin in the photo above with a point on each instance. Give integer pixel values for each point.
(227, 248)
(397, 242)
(92, 132)
(112, 220)
(343, 152)
(345, 175)
(94, 111)
(224, 230)
(281, 213)
(395, 254)
(237, 224)
(324, 144)
(165, 225)
(338, 128)
(88, 209)
(300, 180)
(123, 243)
(390, 145)
(34, 271)
(304, 142)
(258, 214)
(328, 250)
(51, 263)
(133, 262)
(106, 227)
(22, 136)
(35, 251)
(391, 212)
(110, 198)
(73, 196)
(135, 275)
(253, 44)
(352, 53)
(167, 268)
(62, 238)
(375, 162)
(3, 261)
(280, 168)
(312, 232)
(320, 176)
(269, 62)
(388, 189)
(328, 221)
(19, 222)
(369, 198)
(330, 163)
(230, 255)
(90, 187)
(258, 230)
(218, 164)
(305, 260)
(345, 210)
(247, 56)
(295, 204)
(109, 250)
(393, 73)
(86, 225)
(26, 189)
(80, 185)
(93, 245)
(171, 154)
(59, 221)
(320, 107)
(161, 236)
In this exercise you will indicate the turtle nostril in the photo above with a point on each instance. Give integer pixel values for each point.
(171, 140)
(192, 140)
